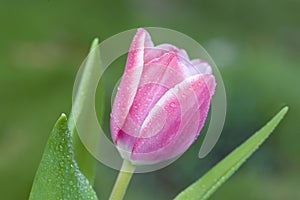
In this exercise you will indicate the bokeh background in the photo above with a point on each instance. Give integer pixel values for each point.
(255, 44)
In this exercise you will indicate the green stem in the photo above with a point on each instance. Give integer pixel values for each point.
(122, 181)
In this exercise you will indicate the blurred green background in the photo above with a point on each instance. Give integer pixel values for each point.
(255, 44)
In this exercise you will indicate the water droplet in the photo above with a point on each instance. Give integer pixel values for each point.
(71, 183)
(135, 107)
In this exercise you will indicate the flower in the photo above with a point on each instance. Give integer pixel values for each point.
(161, 103)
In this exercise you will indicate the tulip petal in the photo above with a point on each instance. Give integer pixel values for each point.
(130, 80)
(160, 50)
(166, 70)
(185, 108)
(201, 66)
(140, 41)
(174, 49)
(157, 77)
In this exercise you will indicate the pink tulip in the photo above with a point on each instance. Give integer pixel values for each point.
(162, 101)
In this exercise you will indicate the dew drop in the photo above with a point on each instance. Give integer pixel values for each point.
(135, 107)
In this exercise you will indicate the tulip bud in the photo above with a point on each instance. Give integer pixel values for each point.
(161, 103)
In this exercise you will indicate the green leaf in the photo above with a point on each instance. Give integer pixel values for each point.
(58, 176)
(213, 179)
(84, 159)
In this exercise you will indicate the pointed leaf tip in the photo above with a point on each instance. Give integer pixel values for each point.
(95, 43)
(58, 176)
(284, 110)
(63, 117)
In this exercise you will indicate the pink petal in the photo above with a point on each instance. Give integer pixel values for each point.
(157, 77)
(130, 80)
(164, 48)
(156, 80)
(201, 66)
(135, 56)
(174, 123)
(176, 62)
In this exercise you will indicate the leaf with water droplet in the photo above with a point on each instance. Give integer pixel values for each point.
(58, 176)
(214, 178)
(83, 90)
